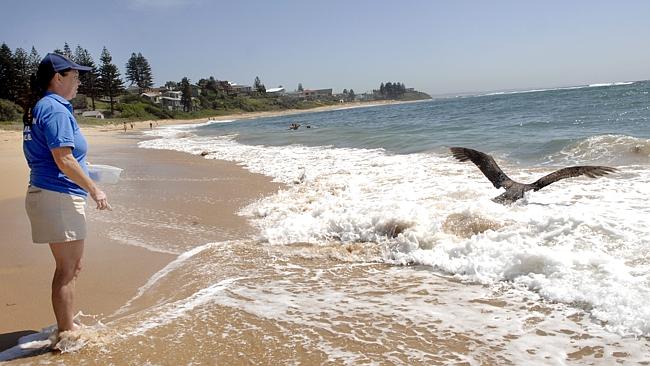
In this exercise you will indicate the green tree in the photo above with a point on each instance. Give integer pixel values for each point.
(186, 95)
(88, 79)
(9, 111)
(351, 95)
(21, 77)
(7, 73)
(132, 73)
(67, 52)
(300, 89)
(258, 86)
(34, 59)
(138, 72)
(392, 90)
(203, 85)
(146, 77)
(110, 84)
(212, 85)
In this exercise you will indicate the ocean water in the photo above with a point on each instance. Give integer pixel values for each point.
(382, 249)
(383, 176)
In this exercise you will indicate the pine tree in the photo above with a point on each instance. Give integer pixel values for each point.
(146, 77)
(351, 95)
(110, 83)
(392, 90)
(88, 79)
(67, 52)
(132, 74)
(259, 87)
(34, 59)
(300, 89)
(7, 73)
(212, 85)
(138, 72)
(186, 95)
(21, 77)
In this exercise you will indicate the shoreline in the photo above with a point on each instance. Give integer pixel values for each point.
(144, 124)
(259, 297)
(27, 268)
(112, 263)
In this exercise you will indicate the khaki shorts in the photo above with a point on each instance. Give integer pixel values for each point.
(55, 217)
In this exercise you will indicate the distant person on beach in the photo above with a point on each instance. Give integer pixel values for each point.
(294, 126)
(124, 126)
(150, 126)
(55, 150)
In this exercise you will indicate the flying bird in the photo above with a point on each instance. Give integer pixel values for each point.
(516, 190)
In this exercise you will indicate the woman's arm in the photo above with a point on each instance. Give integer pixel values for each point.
(71, 168)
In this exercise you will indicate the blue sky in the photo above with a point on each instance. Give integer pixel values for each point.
(436, 46)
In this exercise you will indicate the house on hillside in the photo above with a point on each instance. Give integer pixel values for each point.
(196, 90)
(152, 96)
(237, 89)
(171, 99)
(316, 93)
(366, 97)
(224, 86)
(275, 91)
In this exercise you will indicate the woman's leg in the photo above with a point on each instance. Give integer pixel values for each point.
(68, 265)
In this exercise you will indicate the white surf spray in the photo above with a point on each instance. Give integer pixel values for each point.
(580, 242)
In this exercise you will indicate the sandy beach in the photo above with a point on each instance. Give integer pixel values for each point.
(112, 271)
(147, 124)
(178, 274)
(27, 268)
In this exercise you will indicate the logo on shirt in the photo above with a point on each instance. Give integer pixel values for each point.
(27, 133)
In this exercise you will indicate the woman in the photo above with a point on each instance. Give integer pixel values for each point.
(59, 183)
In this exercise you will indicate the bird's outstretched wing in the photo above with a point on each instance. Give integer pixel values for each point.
(591, 171)
(484, 162)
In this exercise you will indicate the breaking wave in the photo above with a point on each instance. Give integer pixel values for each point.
(618, 150)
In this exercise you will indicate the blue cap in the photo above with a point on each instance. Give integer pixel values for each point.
(59, 63)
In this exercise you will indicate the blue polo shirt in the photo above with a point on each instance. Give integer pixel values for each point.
(53, 125)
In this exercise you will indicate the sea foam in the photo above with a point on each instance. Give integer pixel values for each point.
(580, 242)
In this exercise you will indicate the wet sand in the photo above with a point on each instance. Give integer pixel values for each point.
(112, 271)
(240, 302)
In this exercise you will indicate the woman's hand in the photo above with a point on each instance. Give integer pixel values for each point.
(100, 198)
